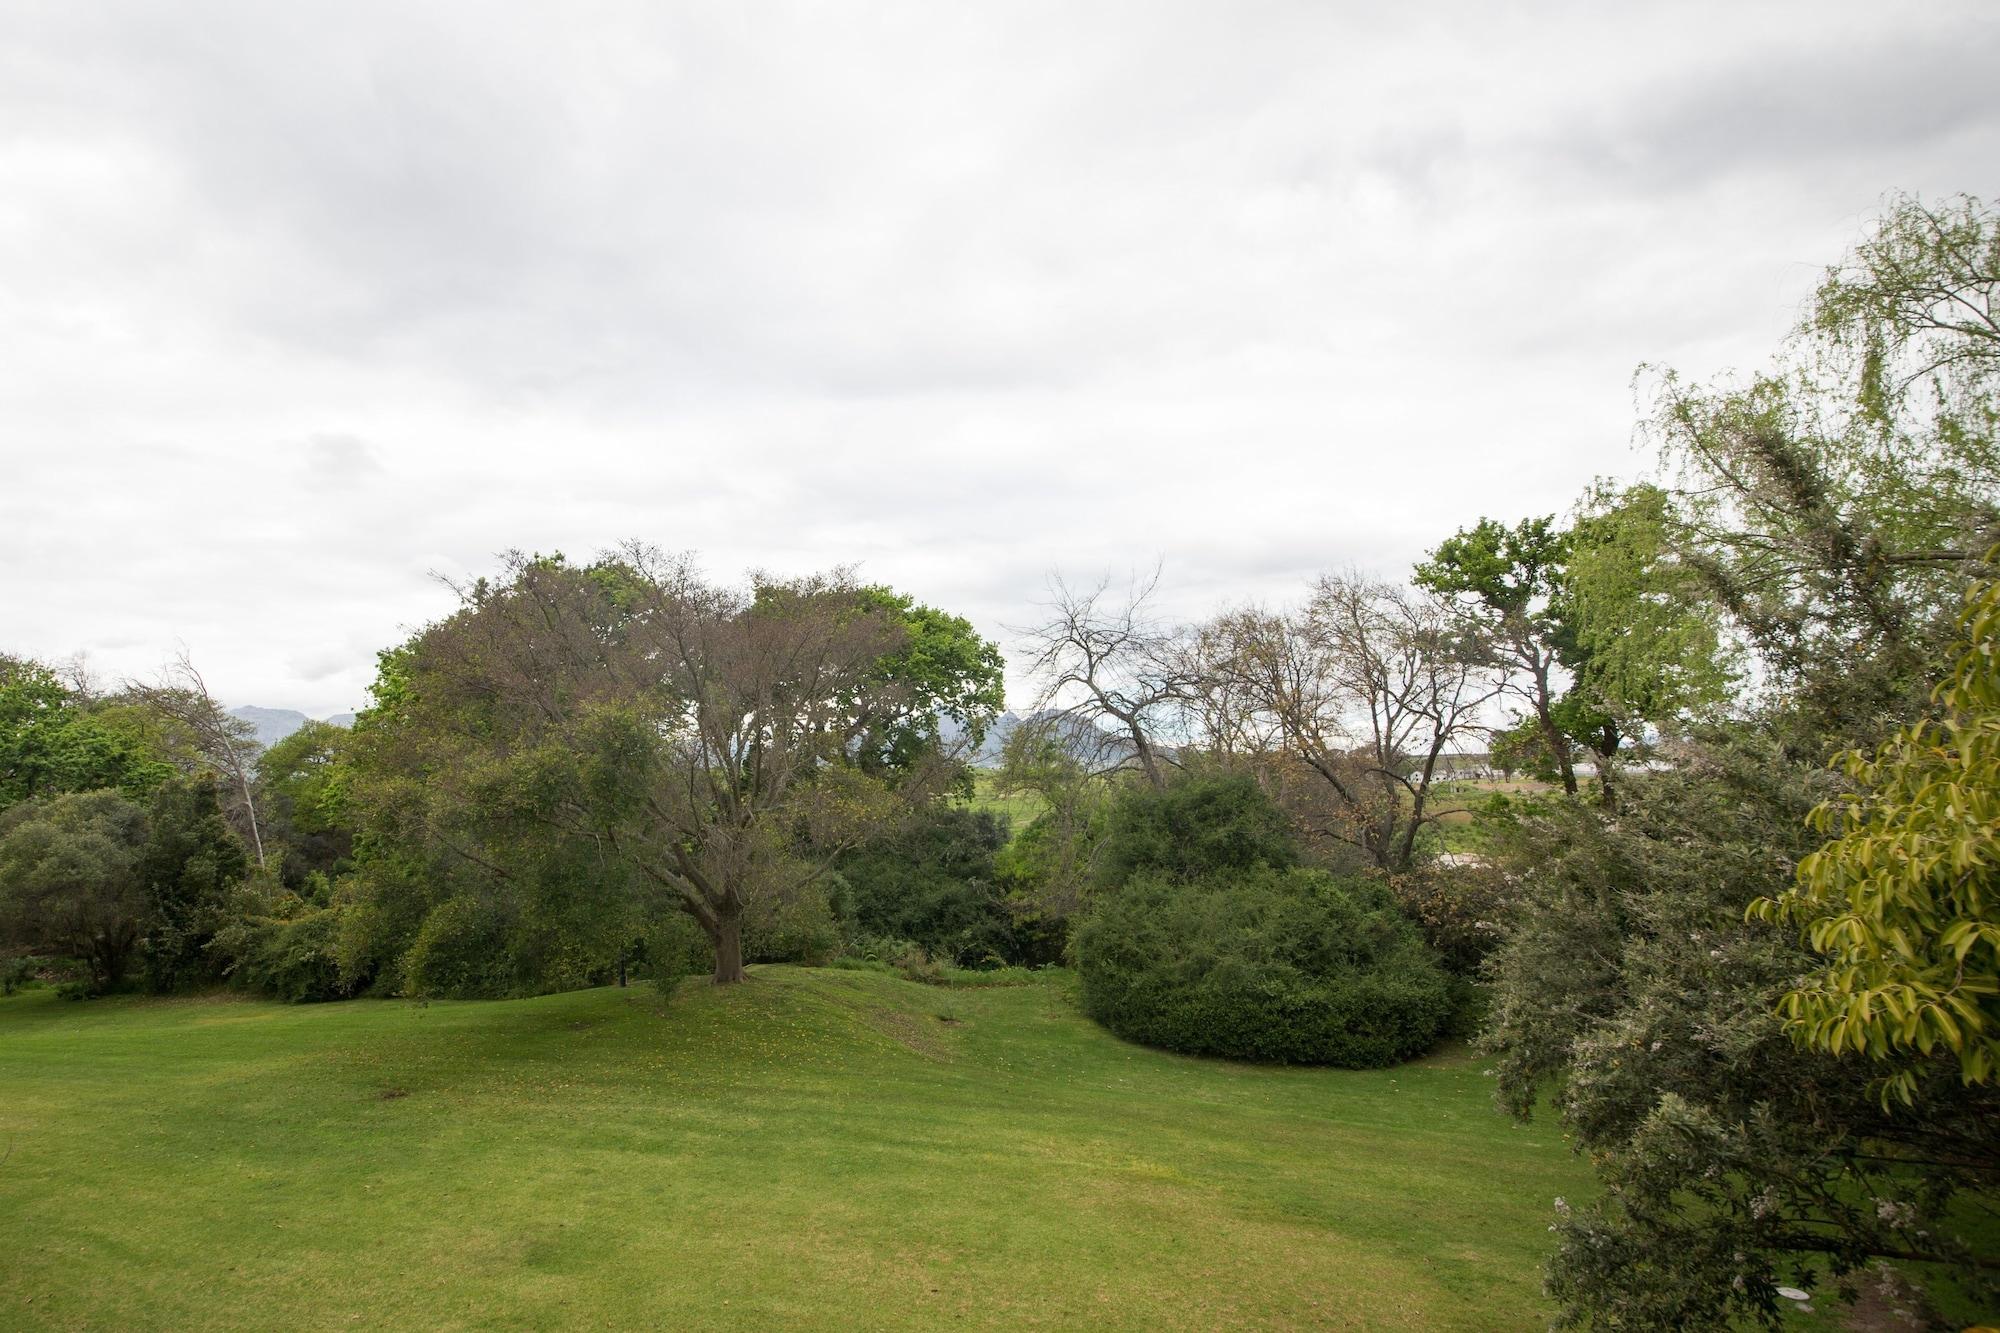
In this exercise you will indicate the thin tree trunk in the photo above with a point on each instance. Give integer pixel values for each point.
(250, 807)
(1607, 792)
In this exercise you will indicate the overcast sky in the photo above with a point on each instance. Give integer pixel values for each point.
(301, 303)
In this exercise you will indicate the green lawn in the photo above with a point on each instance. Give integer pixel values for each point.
(811, 1149)
(1022, 808)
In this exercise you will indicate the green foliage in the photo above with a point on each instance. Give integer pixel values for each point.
(15, 973)
(1904, 902)
(795, 928)
(457, 953)
(1601, 629)
(943, 669)
(192, 860)
(585, 748)
(1824, 515)
(303, 785)
(1290, 966)
(1630, 988)
(675, 948)
(1459, 909)
(1834, 505)
(70, 881)
(1509, 571)
(1196, 828)
(282, 945)
(51, 743)
(1644, 642)
(932, 882)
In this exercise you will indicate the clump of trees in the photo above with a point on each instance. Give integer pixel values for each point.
(580, 745)
(1760, 1039)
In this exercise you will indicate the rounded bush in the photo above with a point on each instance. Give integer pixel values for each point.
(456, 954)
(1289, 966)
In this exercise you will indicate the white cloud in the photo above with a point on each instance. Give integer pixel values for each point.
(300, 303)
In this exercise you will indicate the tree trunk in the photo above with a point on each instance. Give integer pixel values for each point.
(727, 938)
(1607, 792)
(250, 807)
(1552, 734)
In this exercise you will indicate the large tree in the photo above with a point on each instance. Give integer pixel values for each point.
(1835, 504)
(1357, 697)
(1832, 510)
(719, 744)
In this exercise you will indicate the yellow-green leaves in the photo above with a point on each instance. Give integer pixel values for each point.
(1902, 900)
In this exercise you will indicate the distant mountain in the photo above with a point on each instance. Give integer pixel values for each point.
(1093, 745)
(272, 725)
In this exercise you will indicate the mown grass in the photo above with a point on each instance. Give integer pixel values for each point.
(1022, 808)
(811, 1149)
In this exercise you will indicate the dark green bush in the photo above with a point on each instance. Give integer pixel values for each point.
(1291, 966)
(15, 973)
(1458, 908)
(932, 882)
(795, 929)
(1200, 826)
(457, 954)
(191, 863)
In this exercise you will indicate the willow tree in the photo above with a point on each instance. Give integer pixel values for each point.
(719, 744)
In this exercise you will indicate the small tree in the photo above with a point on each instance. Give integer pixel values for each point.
(70, 881)
(208, 740)
(1112, 677)
(191, 862)
(1506, 581)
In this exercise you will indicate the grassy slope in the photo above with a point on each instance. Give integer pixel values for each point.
(813, 1149)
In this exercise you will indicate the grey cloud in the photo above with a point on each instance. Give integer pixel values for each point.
(964, 294)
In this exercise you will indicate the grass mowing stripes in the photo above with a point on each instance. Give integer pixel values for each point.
(814, 1148)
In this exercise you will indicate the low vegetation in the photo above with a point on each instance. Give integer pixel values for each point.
(810, 1149)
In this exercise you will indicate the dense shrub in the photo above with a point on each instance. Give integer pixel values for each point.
(191, 863)
(70, 882)
(1290, 966)
(798, 928)
(1201, 826)
(676, 947)
(457, 953)
(934, 883)
(282, 945)
(15, 973)
(1459, 909)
